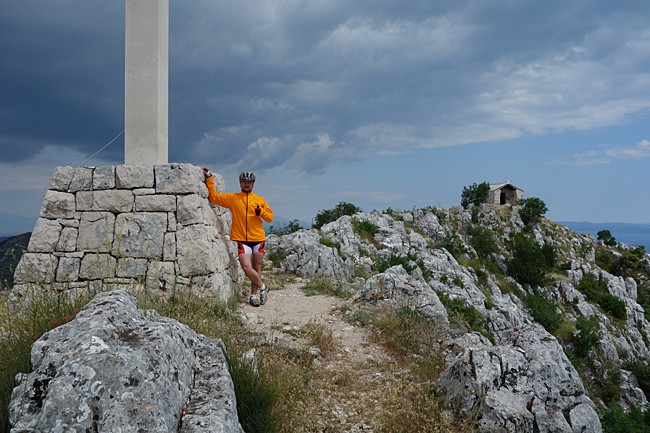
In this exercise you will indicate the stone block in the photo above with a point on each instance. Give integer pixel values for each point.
(37, 268)
(129, 267)
(140, 234)
(57, 204)
(190, 210)
(134, 176)
(61, 178)
(82, 179)
(144, 191)
(45, 236)
(112, 200)
(161, 275)
(97, 266)
(198, 251)
(96, 232)
(179, 179)
(155, 203)
(68, 239)
(169, 248)
(104, 177)
(68, 269)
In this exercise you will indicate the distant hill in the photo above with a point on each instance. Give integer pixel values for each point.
(11, 250)
(627, 233)
(279, 222)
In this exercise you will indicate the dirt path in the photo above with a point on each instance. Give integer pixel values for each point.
(353, 377)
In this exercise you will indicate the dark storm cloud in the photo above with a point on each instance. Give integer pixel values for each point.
(61, 76)
(307, 84)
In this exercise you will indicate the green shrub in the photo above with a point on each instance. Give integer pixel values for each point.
(606, 237)
(482, 240)
(474, 194)
(329, 215)
(532, 210)
(529, 263)
(394, 260)
(642, 373)
(256, 396)
(276, 256)
(544, 311)
(326, 286)
(588, 335)
(365, 229)
(454, 245)
(604, 259)
(613, 305)
(616, 420)
(460, 312)
(596, 291)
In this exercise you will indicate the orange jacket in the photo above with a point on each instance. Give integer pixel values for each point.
(246, 226)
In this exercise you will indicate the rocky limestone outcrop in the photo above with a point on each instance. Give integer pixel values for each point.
(519, 379)
(116, 368)
(143, 227)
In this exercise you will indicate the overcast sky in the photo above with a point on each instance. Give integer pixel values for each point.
(379, 103)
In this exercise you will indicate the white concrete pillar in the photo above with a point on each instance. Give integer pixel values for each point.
(146, 82)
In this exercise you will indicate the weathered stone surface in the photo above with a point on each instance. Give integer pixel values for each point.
(397, 288)
(68, 239)
(190, 210)
(307, 257)
(115, 368)
(155, 203)
(197, 250)
(129, 267)
(110, 200)
(104, 177)
(68, 269)
(61, 178)
(140, 234)
(36, 268)
(169, 247)
(58, 204)
(135, 222)
(179, 179)
(134, 176)
(45, 236)
(161, 275)
(96, 232)
(97, 266)
(82, 179)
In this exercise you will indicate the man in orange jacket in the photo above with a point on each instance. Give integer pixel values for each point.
(248, 210)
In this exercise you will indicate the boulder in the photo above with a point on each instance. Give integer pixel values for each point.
(116, 368)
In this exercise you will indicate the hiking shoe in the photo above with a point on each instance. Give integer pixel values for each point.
(264, 294)
(255, 301)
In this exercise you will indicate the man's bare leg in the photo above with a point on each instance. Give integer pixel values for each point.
(252, 272)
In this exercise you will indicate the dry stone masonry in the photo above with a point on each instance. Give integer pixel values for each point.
(132, 226)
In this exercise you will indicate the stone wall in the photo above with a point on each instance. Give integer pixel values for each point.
(129, 226)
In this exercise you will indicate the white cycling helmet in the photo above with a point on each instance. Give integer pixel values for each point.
(247, 176)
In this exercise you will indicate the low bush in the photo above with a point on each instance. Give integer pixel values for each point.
(616, 420)
(394, 260)
(596, 291)
(529, 263)
(544, 311)
(587, 336)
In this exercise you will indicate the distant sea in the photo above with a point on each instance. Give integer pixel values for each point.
(631, 234)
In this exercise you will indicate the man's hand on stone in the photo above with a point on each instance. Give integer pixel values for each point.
(206, 172)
